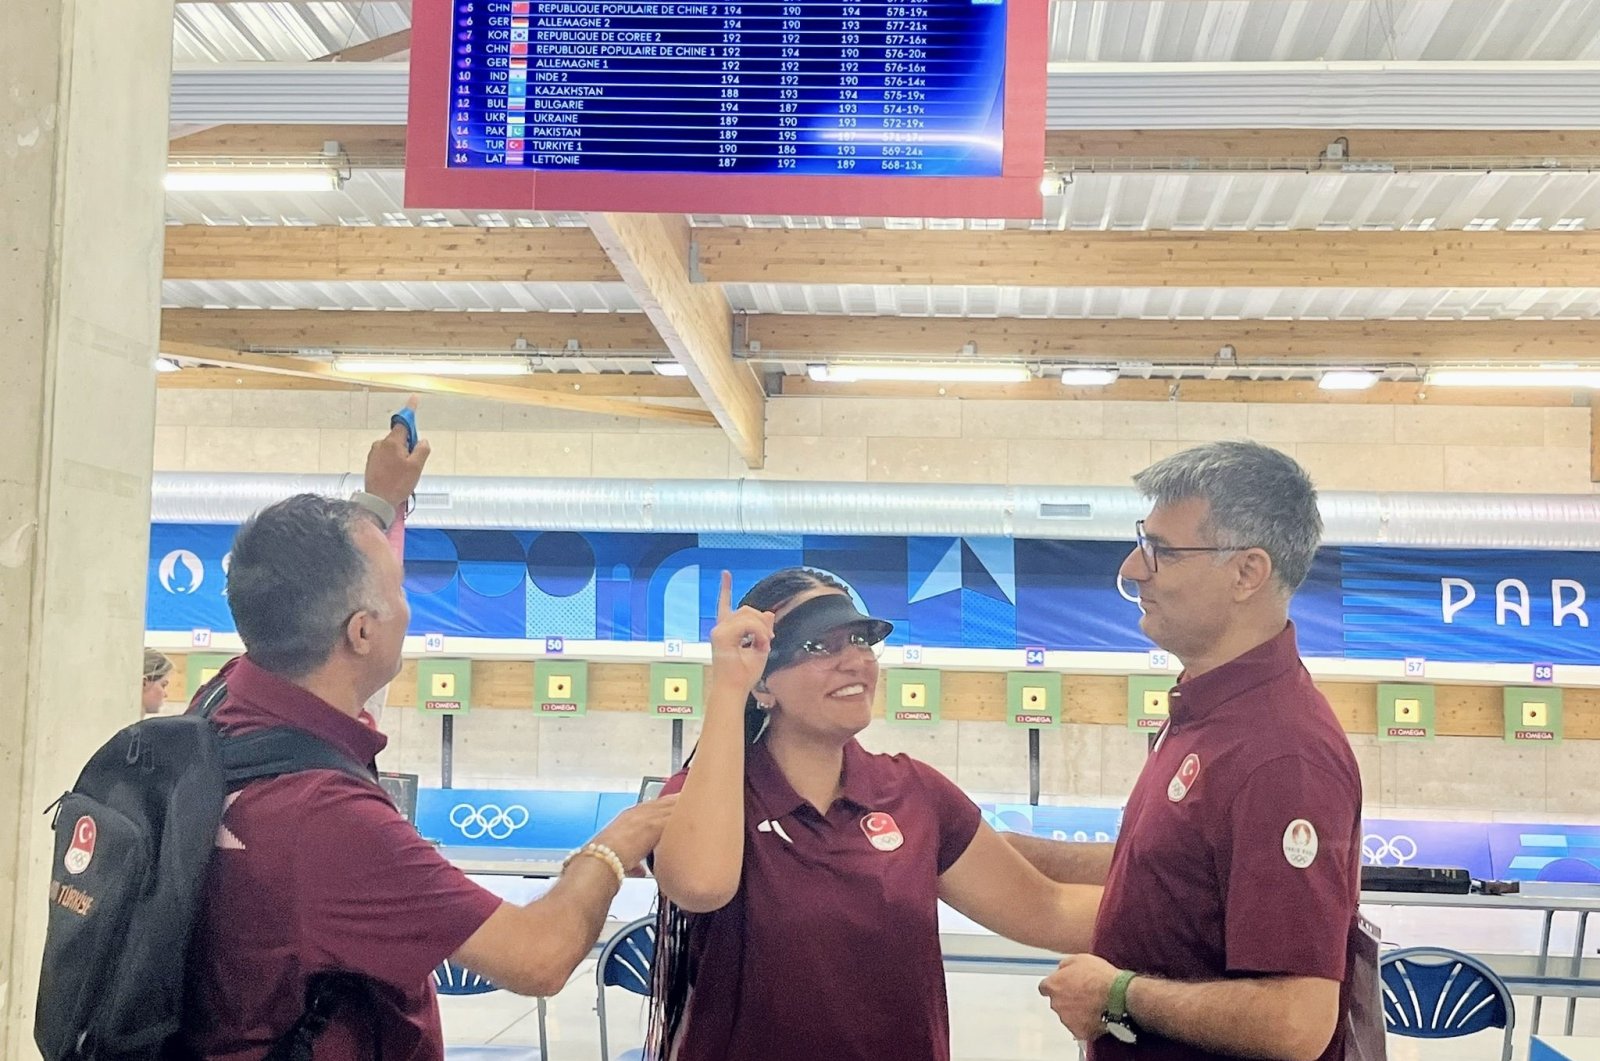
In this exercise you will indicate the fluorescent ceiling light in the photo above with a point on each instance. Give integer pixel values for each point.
(669, 368)
(434, 366)
(253, 179)
(1341, 379)
(1089, 377)
(166, 364)
(920, 373)
(1520, 377)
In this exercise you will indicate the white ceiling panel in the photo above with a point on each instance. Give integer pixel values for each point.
(1172, 303)
(1135, 31)
(393, 295)
(280, 31)
(1080, 30)
(1225, 201)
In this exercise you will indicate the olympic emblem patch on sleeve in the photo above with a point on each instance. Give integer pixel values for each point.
(1300, 843)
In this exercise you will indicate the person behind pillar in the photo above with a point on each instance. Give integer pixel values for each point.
(157, 673)
(317, 872)
(1232, 888)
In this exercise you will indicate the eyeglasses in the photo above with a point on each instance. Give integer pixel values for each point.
(836, 643)
(1152, 551)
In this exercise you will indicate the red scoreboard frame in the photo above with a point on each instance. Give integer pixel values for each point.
(432, 185)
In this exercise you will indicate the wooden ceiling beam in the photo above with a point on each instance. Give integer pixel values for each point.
(800, 336)
(1151, 259)
(607, 385)
(371, 142)
(883, 256)
(332, 252)
(240, 329)
(652, 253)
(1310, 143)
(1184, 341)
(272, 364)
(369, 51)
(1594, 440)
(389, 141)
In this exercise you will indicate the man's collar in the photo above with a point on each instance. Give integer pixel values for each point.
(282, 701)
(1194, 698)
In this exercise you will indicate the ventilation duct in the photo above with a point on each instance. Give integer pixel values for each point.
(1464, 521)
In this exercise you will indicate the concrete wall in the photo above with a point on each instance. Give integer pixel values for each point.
(1091, 443)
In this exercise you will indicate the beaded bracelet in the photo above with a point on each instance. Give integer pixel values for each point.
(601, 852)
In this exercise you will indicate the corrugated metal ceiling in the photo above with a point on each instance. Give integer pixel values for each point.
(1081, 30)
(245, 32)
(1171, 303)
(1326, 30)
(394, 295)
(915, 301)
(1094, 201)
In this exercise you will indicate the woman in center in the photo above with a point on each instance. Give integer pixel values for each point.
(801, 874)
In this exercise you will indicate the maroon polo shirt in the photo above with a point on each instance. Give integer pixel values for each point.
(830, 949)
(1240, 845)
(317, 872)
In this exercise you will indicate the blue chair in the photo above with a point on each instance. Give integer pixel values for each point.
(452, 979)
(1434, 993)
(625, 962)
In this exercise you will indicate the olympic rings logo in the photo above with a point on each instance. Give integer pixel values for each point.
(491, 820)
(1376, 849)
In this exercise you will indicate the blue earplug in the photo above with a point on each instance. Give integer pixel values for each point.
(408, 419)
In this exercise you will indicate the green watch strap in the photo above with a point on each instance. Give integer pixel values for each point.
(1117, 1000)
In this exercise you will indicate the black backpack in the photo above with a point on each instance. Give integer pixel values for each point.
(134, 840)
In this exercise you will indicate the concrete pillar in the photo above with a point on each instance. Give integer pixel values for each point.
(83, 135)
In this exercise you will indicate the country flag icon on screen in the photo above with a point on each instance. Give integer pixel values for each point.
(443, 685)
(1408, 711)
(560, 686)
(676, 691)
(1535, 713)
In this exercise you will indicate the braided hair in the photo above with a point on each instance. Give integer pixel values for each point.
(671, 977)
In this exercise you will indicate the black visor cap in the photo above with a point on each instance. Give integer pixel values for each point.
(816, 618)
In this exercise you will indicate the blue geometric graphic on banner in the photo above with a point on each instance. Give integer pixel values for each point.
(571, 616)
(680, 605)
(431, 561)
(984, 620)
(987, 569)
(753, 542)
(943, 577)
(1489, 606)
(561, 563)
(492, 562)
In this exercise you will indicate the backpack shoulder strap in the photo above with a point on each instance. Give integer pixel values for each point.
(270, 752)
(283, 750)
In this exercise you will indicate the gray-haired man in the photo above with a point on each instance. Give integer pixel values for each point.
(1231, 891)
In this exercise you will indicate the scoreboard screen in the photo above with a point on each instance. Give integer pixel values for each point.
(909, 107)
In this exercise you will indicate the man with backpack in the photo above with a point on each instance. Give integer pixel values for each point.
(254, 829)
(316, 871)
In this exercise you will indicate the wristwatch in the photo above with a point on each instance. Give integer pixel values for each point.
(377, 506)
(1119, 1025)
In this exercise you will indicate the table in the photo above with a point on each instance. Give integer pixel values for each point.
(520, 875)
(507, 861)
(1563, 1048)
